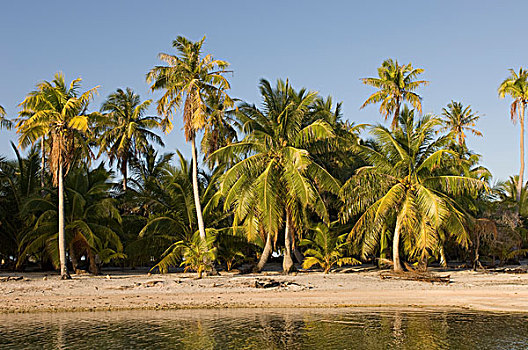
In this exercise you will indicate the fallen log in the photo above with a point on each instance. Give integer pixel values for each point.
(416, 276)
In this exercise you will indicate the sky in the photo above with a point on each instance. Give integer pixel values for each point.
(465, 47)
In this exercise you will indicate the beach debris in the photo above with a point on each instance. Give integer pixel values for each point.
(107, 277)
(148, 284)
(273, 284)
(11, 278)
(513, 270)
(416, 276)
(45, 278)
(356, 269)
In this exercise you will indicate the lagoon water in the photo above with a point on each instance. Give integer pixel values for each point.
(266, 329)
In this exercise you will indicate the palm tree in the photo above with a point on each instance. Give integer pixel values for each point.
(516, 86)
(58, 112)
(5, 123)
(92, 220)
(278, 180)
(407, 186)
(218, 130)
(326, 249)
(457, 120)
(188, 79)
(396, 85)
(126, 130)
(172, 217)
(18, 183)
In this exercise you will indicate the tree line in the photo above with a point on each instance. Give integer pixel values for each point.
(287, 177)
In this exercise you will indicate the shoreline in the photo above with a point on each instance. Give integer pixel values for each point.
(120, 291)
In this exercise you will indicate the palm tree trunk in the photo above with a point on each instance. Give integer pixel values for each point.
(62, 240)
(197, 204)
(521, 172)
(287, 263)
(298, 254)
(394, 124)
(396, 247)
(265, 254)
(42, 162)
(124, 171)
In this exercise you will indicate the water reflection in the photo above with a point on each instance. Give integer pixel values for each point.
(266, 329)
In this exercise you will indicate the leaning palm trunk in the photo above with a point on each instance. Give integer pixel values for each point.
(265, 254)
(62, 240)
(197, 204)
(287, 263)
(396, 247)
(521, 172)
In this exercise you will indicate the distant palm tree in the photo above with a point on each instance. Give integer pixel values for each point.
(4, 122)
(406, 187)
(396, 85)
(516, 86)
(58, 111)
(457, 120)
(126, 130)
(218, 130)
(278, 180)
(189, 79)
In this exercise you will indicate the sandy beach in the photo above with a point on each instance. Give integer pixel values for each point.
(39, 292)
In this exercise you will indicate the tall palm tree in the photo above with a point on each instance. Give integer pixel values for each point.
(516, 86)
(188, 79)
(58, 111)
(396, 84)
(278, 180)
(92, 220)
(407, 186)
(126, 130)
(458, 120)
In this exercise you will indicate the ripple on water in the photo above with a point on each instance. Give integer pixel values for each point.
(266, 329)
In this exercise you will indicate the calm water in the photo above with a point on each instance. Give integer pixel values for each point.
(266, 329)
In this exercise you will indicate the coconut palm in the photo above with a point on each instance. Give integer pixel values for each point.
(92, 221)
(126, 131)
(18, 183)
(58, 111)
(458, 120)
(5, 123)
(408, 187)
(396, 84)
(516, 86)
(188, 79)
(278, 180)
(218, 130)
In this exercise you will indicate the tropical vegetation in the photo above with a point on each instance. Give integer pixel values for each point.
(287, 180)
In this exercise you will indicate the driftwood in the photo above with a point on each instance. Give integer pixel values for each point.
(513, 270)
(273, 284)
(416, 276)
(356, 269)
(11, 278)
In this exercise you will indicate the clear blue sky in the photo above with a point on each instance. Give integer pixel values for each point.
(465, 47)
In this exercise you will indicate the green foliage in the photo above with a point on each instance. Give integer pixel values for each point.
(92, 221)
(409, 184)
(274, 179)
(396, 85)
(194, 253)
(326, 249)
(125, 131)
